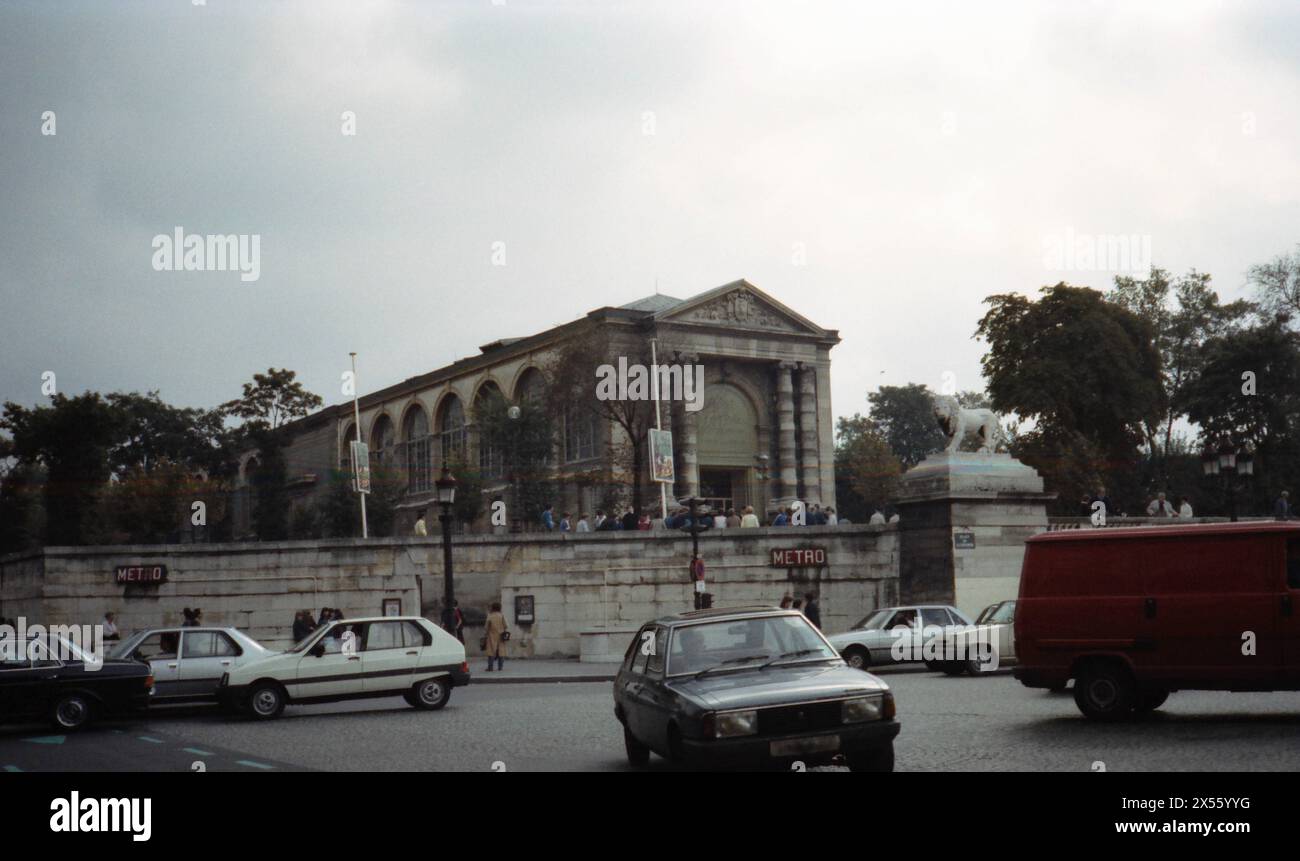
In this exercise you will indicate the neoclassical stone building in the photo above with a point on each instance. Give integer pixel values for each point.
(763, 436)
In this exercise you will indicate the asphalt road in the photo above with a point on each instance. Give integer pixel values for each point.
(967, 724)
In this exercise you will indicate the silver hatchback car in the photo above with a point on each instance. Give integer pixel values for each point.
(188, 663)
(871, 641)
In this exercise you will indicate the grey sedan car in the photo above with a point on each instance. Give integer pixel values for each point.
(187, 663)
(871, 642)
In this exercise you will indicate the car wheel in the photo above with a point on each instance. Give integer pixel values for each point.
(266, 701)
(953, 668)
(934, 666)
(877, 759)
(71, 712)
(637, 754)
(1149, 701)
(430, 693)
(1105, 692)
(857, 657)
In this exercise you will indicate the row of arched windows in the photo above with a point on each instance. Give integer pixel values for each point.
(414, 451)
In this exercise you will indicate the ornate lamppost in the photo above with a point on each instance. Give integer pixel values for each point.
(446, 485)
(1228, 461)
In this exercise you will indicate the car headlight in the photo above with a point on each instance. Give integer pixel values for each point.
(732, 724)
(861, 709)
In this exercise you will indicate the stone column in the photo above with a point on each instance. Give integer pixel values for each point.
(809, 458)
(690, 482)
(786, 449)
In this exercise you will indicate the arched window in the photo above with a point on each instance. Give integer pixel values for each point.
(419, 450)
(381, 443)
(530, 392)
(451, 428)
(345, 447)
(491, 462)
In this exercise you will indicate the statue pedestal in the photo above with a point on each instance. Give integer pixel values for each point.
(963, 521)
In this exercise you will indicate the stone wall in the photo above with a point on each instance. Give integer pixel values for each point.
(578, 582)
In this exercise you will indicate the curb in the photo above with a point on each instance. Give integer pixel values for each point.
(534, 680)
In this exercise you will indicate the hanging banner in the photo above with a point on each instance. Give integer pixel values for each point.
(360, 467)
(661, 456)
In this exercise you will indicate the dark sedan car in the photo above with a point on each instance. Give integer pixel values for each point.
(52, 678)
(749, 687)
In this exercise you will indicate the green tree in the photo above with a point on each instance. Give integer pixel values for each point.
(1277, 284)
(904, 417)
(1086, 371)
(1183, 315)
(866, 465)
(272, 399)
(71, 440)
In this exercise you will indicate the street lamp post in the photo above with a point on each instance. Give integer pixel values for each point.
(1227, 461)
(696, 563)
(446, 486)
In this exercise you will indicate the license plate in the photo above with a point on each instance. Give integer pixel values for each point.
(798, 746)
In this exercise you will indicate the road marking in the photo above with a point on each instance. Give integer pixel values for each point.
(12, 768)
(150, 739)
(251, 764)
(197, 752)
(47, 739)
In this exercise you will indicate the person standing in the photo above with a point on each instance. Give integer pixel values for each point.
(780, 519)
(421, 529)
(458, 622)
(877, 519)
(548, 519)
(733, 520)
(750, 520)
(1282, 507)
(192, 617)
(629, 520)
(643, 522)
(1184, 509)
(496, 633)
(832, 519)
(720, 520)
(811, 609)
(302, 625)
(564, 522)
(786, 600)
(599, 522)
(583, 525)
(110, 627)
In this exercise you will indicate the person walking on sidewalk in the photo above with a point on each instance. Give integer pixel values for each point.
(495, 636)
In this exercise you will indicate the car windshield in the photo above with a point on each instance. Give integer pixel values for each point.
(873, 622)
(1005, 614)
(745, 644)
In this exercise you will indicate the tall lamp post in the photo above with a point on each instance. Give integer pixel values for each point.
(1227, 461)
(446, 485)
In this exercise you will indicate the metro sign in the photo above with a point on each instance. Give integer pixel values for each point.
(799, 557)
(140, 574)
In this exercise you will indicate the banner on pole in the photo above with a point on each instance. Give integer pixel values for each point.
(661, 456)
(360, 467)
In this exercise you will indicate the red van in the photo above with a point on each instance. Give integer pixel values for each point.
(1133, 614)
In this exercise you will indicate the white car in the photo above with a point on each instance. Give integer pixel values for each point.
(995, 627)
(871, 641)
(353, 659)
(188, 663)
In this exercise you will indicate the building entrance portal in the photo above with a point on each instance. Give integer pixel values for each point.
(724, 487)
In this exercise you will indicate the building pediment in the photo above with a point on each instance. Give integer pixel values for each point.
(741, 306)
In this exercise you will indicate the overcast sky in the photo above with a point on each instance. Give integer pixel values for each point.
(880, 168)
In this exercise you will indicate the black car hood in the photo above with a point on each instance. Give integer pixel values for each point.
(750, 688)
(109, 667)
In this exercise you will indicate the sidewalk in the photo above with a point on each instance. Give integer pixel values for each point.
(555, 670)
(537, 670)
